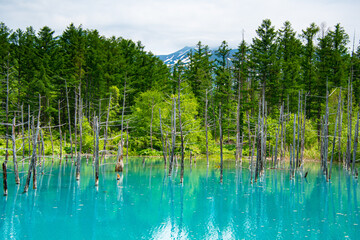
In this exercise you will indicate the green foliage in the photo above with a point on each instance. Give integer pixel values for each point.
(277, 63)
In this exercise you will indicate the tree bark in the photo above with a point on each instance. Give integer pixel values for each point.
(78, 165)
(221, 145)
(206, 129)
(162, 139)
(96, 150)
(23, 132)
(7, 111)
(17, 179)
(69, 119)
(60, 133)
(5, 179)
(151, 123)
(106, 130)
(181, 133)
(173, 136)
(33, 157)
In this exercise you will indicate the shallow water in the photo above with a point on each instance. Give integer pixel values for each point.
(147, 204)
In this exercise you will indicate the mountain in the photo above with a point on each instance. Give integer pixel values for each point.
(172, 58)
(182, 55)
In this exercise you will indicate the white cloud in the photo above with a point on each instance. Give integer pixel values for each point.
(164, 26)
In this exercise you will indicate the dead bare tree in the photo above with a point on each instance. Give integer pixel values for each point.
(221, 144)
(106, 130)
(13, 137)
(60, 134)
(96, 150)
(78, 165)
(181, 132)
(162, 139)
(69, 119)
(32, 166)
(206, 128)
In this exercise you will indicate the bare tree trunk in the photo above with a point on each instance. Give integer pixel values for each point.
(173, 135)
(127, 142)
(298, 132)
(206, 129)
(106, 130)
(34, 178)
(221, 145)
(68, 110)
(29, 132)
(151, 123)
(119, 167)
(340, 127)
(52, 143)
(214, 121)
(259, 143)
(96, 150)
(237, 155)
(42, 149)
(122, 119)
(78, 165)
(94, 140)
(162, 139)
(303, 135)
(32, 167)
(277, 139)
(23, 132)
(355, 144)
(7, 111)
(119, 163)
(181, 134)
(348, 152)
(250, 145)
(5, 179)
(17, 179)
(326, 131)
(334, 139)
(76, 125)
(60, 133)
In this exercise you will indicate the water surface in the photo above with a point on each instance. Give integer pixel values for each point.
(148, 204)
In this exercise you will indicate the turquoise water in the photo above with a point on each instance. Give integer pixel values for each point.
(147, 204)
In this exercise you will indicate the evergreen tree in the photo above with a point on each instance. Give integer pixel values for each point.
(290, 62)
(241, 71)
(264, 58)
(340, 56)
(355, 74)
(5, 57)
(199, 73)
(47, 70)
(223, 85)
(324, 67)
(309, 65)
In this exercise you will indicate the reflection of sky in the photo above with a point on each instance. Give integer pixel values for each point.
(166, 26)
(167, 230)
(146, 203)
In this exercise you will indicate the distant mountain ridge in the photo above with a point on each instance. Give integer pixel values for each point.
(183, 55)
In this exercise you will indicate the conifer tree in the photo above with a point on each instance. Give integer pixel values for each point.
(264, 58)
(223, 85)
(241, 71)
(340, 56)
(289, 55)
(199, 73)
(309, 65)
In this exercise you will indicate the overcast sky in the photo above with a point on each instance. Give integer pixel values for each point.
(164, 26)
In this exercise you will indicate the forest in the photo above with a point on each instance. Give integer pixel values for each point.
(284, 91)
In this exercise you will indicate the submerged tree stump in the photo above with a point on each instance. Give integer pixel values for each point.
(5, 179)
(119, 167)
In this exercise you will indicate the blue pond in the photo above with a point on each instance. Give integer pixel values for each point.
(148, 204)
